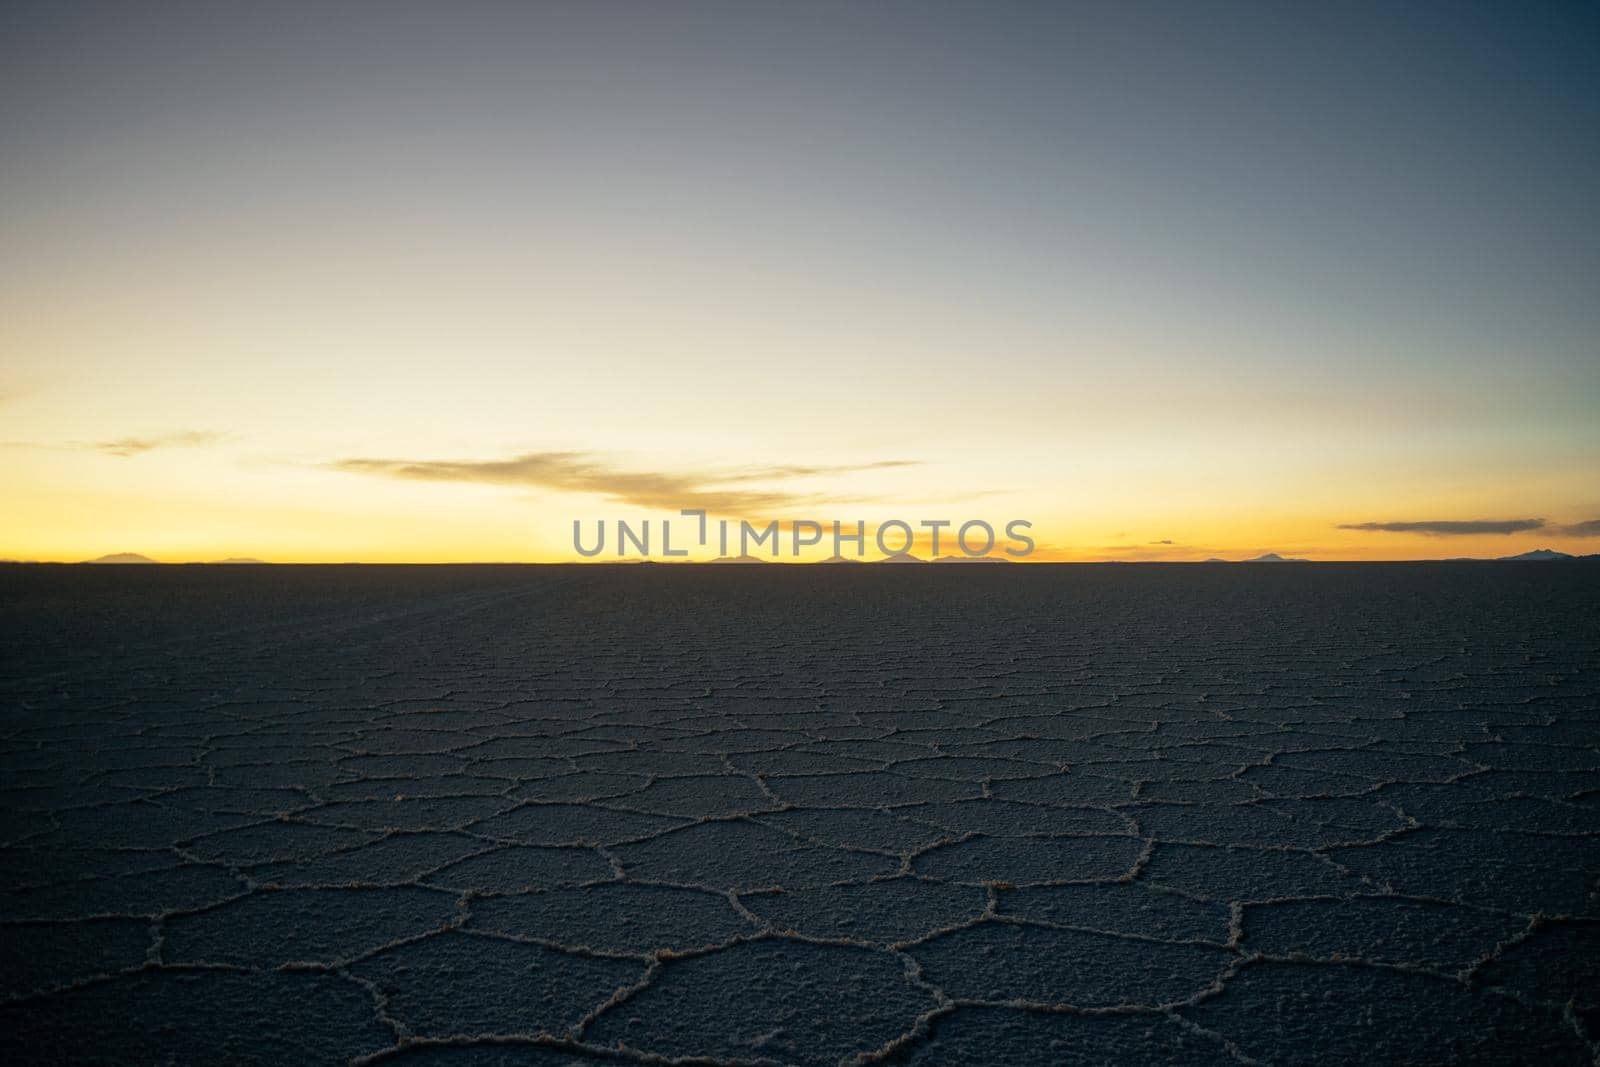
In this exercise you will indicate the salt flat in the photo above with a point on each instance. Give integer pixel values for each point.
(1018, 815)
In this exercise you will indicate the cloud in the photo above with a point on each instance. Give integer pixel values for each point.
(762, 473)
(133, 446)
(128, 446)
(582, 472)
(1449, 527)
(1457, 527)
(1587, 528)
(1166, 550)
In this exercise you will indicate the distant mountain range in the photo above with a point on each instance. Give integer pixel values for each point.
(1538, 555)
(134, 557)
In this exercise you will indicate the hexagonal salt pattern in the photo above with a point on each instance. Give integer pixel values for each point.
(547, 816)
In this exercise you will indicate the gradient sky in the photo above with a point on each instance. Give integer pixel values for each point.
(429, 281)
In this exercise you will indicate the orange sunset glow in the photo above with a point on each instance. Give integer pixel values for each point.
(259, 274)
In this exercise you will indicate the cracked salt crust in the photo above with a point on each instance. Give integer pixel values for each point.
(576, 815)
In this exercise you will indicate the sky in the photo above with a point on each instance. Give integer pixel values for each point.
(429, 282)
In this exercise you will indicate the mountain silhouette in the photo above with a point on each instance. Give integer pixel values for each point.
(1537, 555)
(122, 557)
(1273, 557)
(840, 559)
(900, 557)
(738, 559)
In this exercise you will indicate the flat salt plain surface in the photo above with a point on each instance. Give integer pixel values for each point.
(937, 815)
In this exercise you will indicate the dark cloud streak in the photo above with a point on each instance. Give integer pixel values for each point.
(129, 446)
(1587, 528)
(1449, 527)
(133, 446)
(581, 472)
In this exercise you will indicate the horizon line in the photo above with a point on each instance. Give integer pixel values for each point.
(1555, 557)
